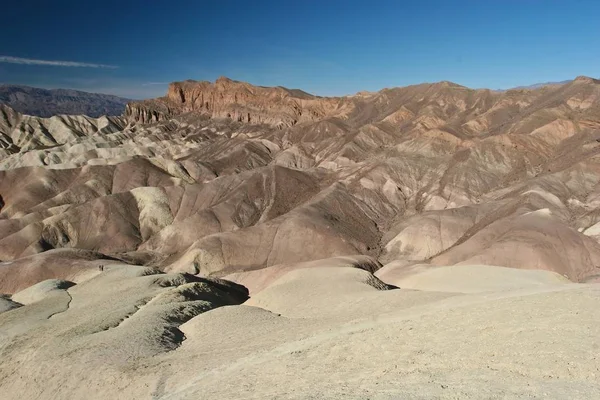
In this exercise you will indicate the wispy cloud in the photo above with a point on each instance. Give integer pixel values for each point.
(30, 61)
(155, 83)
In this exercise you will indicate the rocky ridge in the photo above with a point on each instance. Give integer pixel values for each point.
(238, 101)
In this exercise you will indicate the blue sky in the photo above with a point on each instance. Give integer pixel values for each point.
(327, 47)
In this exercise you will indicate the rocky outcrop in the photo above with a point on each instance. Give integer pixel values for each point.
(239, 101)
(148, 111)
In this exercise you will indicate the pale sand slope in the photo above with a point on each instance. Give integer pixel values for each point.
(257, 280)
(465, 278)
(321, 333)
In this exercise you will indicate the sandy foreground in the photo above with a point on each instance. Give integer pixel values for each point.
(325, 332)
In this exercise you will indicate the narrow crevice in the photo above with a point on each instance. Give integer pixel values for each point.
(66, 308)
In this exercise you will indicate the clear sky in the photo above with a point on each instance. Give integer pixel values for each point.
(329, 47)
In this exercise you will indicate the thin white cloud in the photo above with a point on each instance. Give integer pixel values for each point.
(30, 61)
(155, 83)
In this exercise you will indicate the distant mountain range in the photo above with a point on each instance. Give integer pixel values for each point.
(46, 103)
(539, 85)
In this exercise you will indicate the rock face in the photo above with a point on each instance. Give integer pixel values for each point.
(240, 102)
(47, 103)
